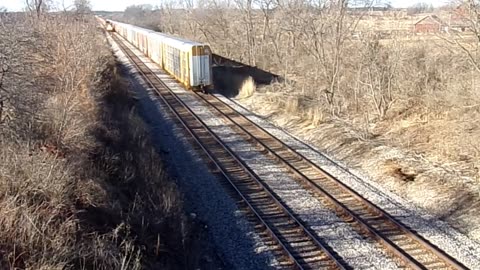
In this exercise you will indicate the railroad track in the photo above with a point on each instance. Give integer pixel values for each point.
(300, 248)
(407, 247)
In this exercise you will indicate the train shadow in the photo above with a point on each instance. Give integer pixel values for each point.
(229, 75)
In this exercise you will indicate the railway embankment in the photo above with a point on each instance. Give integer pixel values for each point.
(422, 222)
(80, 184)
(428, 159)
(407, 159)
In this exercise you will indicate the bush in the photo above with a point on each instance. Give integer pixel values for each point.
(80, 183)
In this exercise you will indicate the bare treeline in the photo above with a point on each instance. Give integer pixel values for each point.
(37, 6)
(420, 8)
(324, 46)
(42, 6)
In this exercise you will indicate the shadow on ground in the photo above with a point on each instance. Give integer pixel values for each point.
(229, 75)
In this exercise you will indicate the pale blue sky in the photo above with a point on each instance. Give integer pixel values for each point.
(120, 5)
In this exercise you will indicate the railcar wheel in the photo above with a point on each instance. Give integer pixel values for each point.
(204, 89)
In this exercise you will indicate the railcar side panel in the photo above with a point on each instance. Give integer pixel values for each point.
(164, 55)
(145, 43)
(172, 62)
(185, 69)
(152, 44)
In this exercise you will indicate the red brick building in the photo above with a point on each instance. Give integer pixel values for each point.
(430, 24)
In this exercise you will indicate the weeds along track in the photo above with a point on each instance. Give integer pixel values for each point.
(299, 249)
(406, 246)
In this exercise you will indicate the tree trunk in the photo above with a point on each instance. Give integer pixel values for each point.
(39, 7)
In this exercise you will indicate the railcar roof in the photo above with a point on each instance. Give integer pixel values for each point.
(133, 27)
(171, 40)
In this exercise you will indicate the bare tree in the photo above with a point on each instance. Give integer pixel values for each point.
(168, 18)
(82, 6)
(419, 8)
(38, 6)
(323, 29)
(4, 67)
(246, 7)
(377, 74)
(468, 13)
(3, 71)
(136, 11)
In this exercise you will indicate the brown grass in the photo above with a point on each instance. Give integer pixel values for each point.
(247, 88)
(81, 185)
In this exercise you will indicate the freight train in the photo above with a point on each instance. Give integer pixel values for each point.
(187, 61)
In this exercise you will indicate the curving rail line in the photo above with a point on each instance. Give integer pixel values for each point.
(301, 249)
(411, 250)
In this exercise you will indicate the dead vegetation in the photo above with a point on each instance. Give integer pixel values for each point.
(403, 109)
(81, 186)
(247, 89)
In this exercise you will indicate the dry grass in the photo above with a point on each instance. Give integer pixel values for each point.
(81, 185)
(403, 161)
(247, 89)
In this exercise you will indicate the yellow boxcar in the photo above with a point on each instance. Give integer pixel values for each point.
(187, 61)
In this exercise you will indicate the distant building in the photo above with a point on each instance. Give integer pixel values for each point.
(459, 18)
(430, 24)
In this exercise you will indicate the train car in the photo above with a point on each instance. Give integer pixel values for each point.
(106, 24)
(187, 61)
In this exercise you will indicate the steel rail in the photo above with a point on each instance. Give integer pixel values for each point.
(376, 213)
(153, 81)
